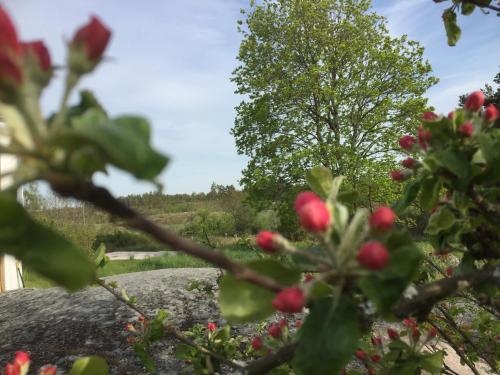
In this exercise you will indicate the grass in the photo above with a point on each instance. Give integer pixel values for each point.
(33, 280)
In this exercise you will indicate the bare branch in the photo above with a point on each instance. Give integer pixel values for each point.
(263, 365)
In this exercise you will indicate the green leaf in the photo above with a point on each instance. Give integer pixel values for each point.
(92, 365)
(146, 359)
(156, 329)
(455, 161)
(320, 180)
(328, 337)
(41, 249)
(430, 192)
(441, 220)
(410, 193)
(350, 196)
(123, 141)
(467, 8)
(432, 363)
(242, 302)
(100, 258)
(450, 24)
(334, 190)
(490, 148)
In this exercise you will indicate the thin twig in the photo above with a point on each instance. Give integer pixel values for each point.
(169, 328)
(455, 347)
(265, 364)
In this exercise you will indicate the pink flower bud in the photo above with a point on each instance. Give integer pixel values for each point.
(382, 219)
(409, 163)
(392, 333)
(265, 240)
(375, 358)
(490, 114)
(407, 141)
(314, 216)
(449, 271)
(451, 115)
(94, 37)
(9, 41)
(415, 333)
(424, 136)
(12, 369)
(289, 300)
(298, 323)
(211, 326)
(257, 343)
(466, 129)
(283, 323)
(373, 255)
(274, 330)
(22, 358)
(38, 49)
(429, 116)
(360, 354)
(304, 198)
(399, 176)
(48, 370)
(376, 341)
(372, 371)
(308, 277)
(409, 322)
(431, 333)
(474, 101)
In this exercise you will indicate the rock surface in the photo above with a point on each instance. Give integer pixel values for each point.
(56, 327)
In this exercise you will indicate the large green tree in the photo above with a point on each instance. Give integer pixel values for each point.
(324, 84)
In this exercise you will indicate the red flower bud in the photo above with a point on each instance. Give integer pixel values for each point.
(409, 163)
(429, 116)
(304, 198)
(392, 333)
(10, 72)
(382, 219)
(308, 277)
(265, 240)
(12, 369)
(449, 271)
(314, 216)
(399, 176)
(48, 370)
(141, 318)
(94, 37)
(490, 114)
(274, 330)
(9, 43)
(466, 129)
(289, 300)
(22, 358)
(375, 358)
(376, 341)
(415, 333)
(424, 136)
(283, 323)
(40, 52)
(129, 327)
(409, 322)
(474, 101)
(298, 323)
(343, 372)
(372, 371)
(211, 326)
(451, 115)
(373, 255)
(407, 141)
(257, 343)
(431, 333)
(360, 354)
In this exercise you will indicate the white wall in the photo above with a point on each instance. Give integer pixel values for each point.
(11, 268)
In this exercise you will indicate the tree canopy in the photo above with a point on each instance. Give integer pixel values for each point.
(324, 84)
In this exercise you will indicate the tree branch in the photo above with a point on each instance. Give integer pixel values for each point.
(263, 365)
(428, 294)
(102, 198)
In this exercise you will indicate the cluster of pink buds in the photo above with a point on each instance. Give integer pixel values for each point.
(368, 360)
(275, 331)
(136, 329)
(473, 104)
(21, 365)
(22, 61)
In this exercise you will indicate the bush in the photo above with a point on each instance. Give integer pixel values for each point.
(125, 241)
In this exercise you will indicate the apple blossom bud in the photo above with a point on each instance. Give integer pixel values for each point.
(298, 323)
(466, 129)
(409, 322)
(304, 198)
(490, 114)
(360, 354)
(11, 75)
(308, 277)
(376, 341)
(429, 116)
(449, 271)
(431, 333)
(415, 333)
(375, 358)
(283, 323)
(40, 52)
(12, 369)
(265, 240)
(424, 136)
(382, 219)
(274, 330)
(474, 101)
(392, 333)
(48, 370)
(257, 343)
(314, 216)
(289, 300)
(373, 255)
(211, 326)
(399, 176)
(409, 163)
(407, 142)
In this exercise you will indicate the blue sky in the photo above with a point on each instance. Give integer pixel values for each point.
(172, 60)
